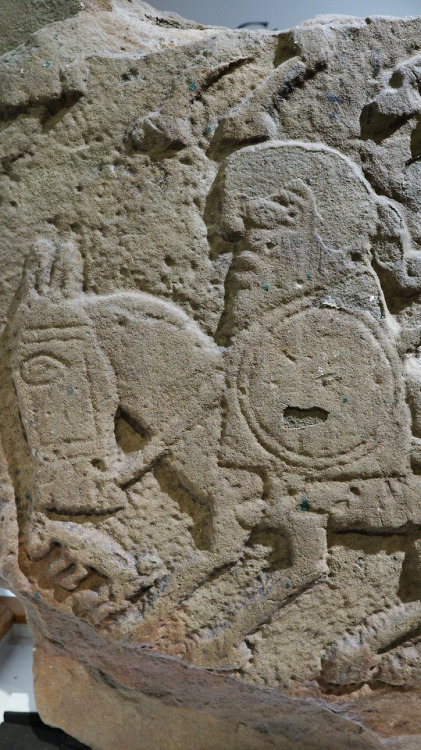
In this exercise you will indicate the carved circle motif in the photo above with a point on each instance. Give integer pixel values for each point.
(302, 397)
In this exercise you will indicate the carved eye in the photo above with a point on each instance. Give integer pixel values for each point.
(263, 213)
(290, 209)
(41, 369)
(289, 216)
(284, 208)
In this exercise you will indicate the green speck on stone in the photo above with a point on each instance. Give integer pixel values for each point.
(287, 585)
(284, 252)
(265, 286)
(309, 276)
(261, 360)
(305, 505)
(192, 84)
(70, 390)
(344, 400)
(28, 497)
(37, 596)
(46, 65)
(208, 128)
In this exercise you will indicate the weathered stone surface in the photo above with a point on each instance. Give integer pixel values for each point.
(20, 19)
(211, 377)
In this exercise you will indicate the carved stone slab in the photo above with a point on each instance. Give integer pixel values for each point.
(210, 376)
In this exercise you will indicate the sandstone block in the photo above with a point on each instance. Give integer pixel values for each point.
(210, 377)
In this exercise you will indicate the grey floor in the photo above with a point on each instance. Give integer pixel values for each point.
(16, 689)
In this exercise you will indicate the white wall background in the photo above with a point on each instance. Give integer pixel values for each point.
(282, 14)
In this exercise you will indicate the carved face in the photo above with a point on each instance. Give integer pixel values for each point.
(279, 248)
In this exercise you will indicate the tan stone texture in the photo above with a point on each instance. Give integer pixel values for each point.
(210, 377)
(20, 19)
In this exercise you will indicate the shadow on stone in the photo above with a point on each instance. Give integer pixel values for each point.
(26, 731)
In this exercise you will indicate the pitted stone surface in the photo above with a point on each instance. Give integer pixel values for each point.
(210, 378)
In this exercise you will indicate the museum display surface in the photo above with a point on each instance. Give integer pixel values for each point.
(210, 378)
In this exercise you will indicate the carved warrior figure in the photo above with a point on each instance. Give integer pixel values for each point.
(104, 411)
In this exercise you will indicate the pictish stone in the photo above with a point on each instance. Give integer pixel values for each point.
(210, 378)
